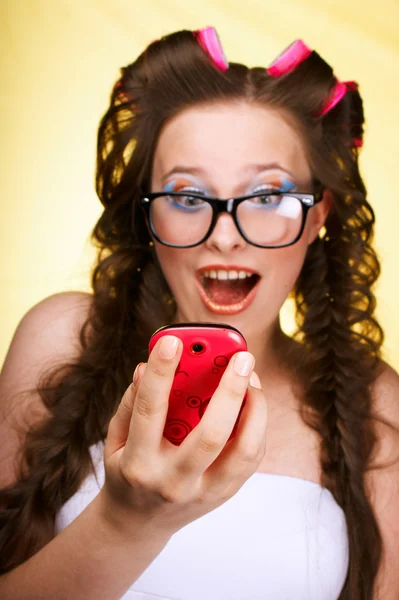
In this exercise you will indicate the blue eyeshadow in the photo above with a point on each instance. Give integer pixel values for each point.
(286, 185)
(170, 187)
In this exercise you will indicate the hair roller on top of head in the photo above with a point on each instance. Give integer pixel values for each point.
(337, 93)
(353, 86)
(357, 140)
(289, 59)
(209, 40)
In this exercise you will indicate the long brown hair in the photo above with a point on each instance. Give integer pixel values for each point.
(338, 333)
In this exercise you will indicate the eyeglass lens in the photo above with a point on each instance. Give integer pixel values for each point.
(264, 220)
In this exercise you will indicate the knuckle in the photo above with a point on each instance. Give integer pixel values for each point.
(175, 490)
(235, 389)
(160, 371)
(127, 400)
(157, 379)
(153, 482)
(136, 475)
(249, 453)
(210, 443)
(170, 494)
(145, 405)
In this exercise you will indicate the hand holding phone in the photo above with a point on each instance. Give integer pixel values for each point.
(207, 350)
(168, 485)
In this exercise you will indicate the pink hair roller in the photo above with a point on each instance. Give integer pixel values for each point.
(289, 59)
(352, 85)
(336, 95)
(209, 40)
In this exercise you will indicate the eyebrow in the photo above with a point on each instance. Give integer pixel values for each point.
(256, 168)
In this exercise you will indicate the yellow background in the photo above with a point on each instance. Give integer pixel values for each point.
(59, 59)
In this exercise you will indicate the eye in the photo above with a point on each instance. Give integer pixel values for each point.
(269, 199)
(187, 202)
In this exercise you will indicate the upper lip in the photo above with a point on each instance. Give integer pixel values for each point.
(220, 267)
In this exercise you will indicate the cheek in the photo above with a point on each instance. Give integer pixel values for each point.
(287, 266)
(167, 258)
(293, 257)
(172, 261)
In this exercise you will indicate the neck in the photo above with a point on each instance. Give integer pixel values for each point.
(270, 347)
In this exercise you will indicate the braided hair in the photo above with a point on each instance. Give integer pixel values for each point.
(338, 334)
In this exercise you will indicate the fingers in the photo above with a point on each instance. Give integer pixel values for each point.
(205, 442)
(152, 398)
(139, 422)
(118, 429)
(245, 451)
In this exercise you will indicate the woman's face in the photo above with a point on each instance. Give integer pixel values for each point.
(228, 150)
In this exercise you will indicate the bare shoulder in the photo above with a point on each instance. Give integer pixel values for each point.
(382, 479)
(385, 416)
(49, 332)
(385, 396)
(385, 422)
(47, 336)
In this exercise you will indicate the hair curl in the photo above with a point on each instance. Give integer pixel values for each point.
(338, 333)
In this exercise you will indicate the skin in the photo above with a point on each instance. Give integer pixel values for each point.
(219, 148)
(152, 487)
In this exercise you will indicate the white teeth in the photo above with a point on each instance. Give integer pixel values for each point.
(221, 274)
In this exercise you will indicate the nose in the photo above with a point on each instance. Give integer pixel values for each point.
(225, 236)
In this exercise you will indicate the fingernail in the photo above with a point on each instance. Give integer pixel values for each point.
(168, 346)
(254, 381)
(136, 373)
(243, 363)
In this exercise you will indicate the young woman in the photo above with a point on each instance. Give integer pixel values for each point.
(225, 189)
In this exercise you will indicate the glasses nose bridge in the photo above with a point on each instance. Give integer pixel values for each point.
(224, 206)
(221, 207)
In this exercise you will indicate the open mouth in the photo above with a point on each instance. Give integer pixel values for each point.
(227, 291)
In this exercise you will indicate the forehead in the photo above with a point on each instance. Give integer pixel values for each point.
(225, 140)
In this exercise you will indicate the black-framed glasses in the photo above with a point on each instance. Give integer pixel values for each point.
(266, 220)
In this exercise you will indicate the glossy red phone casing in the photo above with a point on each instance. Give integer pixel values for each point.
(198, 373)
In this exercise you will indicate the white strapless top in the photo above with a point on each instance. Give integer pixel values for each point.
(278, 538)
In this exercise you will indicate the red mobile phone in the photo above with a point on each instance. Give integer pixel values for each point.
(207, 349)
